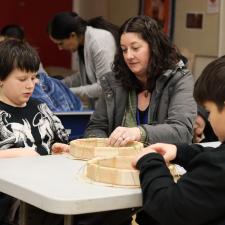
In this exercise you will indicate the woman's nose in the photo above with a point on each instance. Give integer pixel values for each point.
(129, 54)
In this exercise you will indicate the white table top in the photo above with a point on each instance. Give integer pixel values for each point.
(55, 184)
(213, 144)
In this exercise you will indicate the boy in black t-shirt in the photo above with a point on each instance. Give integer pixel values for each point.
(27, 126)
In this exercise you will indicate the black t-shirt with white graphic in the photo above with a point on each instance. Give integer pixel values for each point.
(31, 126)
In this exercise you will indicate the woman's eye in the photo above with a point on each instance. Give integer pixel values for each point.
(22, 79)
(136, 48)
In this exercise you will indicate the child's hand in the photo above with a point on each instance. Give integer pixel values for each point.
(168, 151)
(142, 153)
(58, 148)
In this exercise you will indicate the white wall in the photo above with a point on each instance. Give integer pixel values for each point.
(121, 10)
(116, 11)
(207, 43)
(91, 8)
(222, 29)
(200, 63)
(199, 41)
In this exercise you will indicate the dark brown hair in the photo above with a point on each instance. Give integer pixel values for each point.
(163, 53)
(17, 54)
(210, 86)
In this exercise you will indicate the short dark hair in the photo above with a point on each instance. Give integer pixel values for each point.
(164, 55)
(13, 31)
(16, 54)
(210, 86)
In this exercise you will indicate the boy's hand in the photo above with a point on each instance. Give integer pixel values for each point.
(58, 148)
(168, 152)
(142, 153)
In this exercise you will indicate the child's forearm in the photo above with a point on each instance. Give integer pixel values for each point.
(17, 152)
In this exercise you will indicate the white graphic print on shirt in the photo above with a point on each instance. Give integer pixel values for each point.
(14, 132)
(32, 126)
(42, 120)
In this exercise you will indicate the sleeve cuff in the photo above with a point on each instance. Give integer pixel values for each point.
(143, 134)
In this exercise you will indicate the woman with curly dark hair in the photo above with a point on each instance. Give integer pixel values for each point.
(148, 97)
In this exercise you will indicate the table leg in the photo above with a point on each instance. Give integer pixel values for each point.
(22, 213)
(68, 219)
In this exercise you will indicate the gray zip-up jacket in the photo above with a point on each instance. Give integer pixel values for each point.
(172, 110)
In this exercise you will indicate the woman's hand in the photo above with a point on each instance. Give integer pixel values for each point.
(122, 135)
(58, 148)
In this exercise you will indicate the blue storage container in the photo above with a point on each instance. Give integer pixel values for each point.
(75, 122)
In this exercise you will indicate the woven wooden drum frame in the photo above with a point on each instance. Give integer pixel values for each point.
(90, 148)
(116, 171)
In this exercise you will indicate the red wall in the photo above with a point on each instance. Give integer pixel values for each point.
(33, 16)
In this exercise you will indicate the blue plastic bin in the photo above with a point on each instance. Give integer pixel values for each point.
(75, 122)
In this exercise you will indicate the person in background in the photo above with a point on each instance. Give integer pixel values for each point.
(27, 126)
(198, 196)
(95, 42)
(203, 131)
(148, 97)
(15, 31)
(12, 31)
